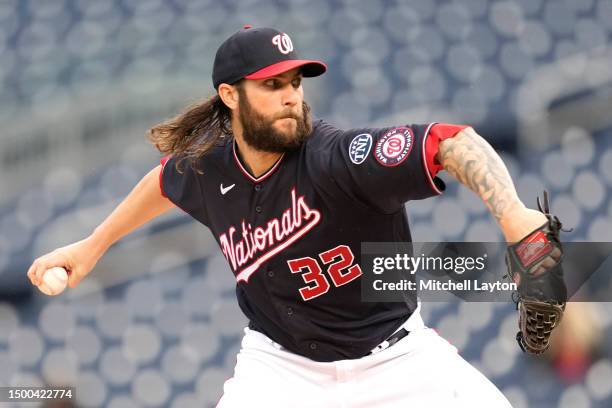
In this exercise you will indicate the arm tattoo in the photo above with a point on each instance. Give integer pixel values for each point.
(472, 161)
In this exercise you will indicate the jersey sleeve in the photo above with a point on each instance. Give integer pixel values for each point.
(386, 167)
(183, 187)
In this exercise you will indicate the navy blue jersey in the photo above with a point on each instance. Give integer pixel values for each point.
(293, 235)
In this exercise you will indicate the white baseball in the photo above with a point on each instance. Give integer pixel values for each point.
(54, 281)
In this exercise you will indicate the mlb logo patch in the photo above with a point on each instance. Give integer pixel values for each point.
(360, 148)
(394, 146)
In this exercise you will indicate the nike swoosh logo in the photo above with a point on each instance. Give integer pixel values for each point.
(224, 190)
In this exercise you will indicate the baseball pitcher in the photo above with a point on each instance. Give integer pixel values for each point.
(289, 201)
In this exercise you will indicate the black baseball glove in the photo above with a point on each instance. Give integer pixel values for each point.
(534, 264)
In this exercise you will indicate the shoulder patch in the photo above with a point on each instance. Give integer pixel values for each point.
(360, 147)
(394, 146)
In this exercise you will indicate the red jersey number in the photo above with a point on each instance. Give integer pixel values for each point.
(341, 270)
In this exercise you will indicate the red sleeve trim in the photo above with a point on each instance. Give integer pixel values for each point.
(161, 173)
(437, 133)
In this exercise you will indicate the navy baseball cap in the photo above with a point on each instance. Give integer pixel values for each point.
(258, 53)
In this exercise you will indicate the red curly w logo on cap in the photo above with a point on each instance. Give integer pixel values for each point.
(283, 42)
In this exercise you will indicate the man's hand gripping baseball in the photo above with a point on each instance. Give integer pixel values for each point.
(77, 259)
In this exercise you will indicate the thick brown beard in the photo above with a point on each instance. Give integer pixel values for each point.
(259, 132)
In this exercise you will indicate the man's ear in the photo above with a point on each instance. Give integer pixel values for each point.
(229, 95)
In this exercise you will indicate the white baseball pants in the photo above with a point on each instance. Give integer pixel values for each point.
(421, 370)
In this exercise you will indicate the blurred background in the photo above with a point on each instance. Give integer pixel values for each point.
(156, 324)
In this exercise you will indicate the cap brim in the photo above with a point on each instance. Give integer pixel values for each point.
(309, 68)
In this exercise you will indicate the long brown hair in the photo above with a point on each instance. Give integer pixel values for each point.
(192, 133)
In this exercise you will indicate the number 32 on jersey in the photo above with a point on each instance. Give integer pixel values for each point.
(340, 268)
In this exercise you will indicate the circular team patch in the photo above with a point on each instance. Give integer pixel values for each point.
(394, 146)
(360, 148)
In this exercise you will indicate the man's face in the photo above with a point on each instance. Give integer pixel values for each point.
(273, 113)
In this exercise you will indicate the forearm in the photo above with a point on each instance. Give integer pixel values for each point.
(142, 204)
(474, 163)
